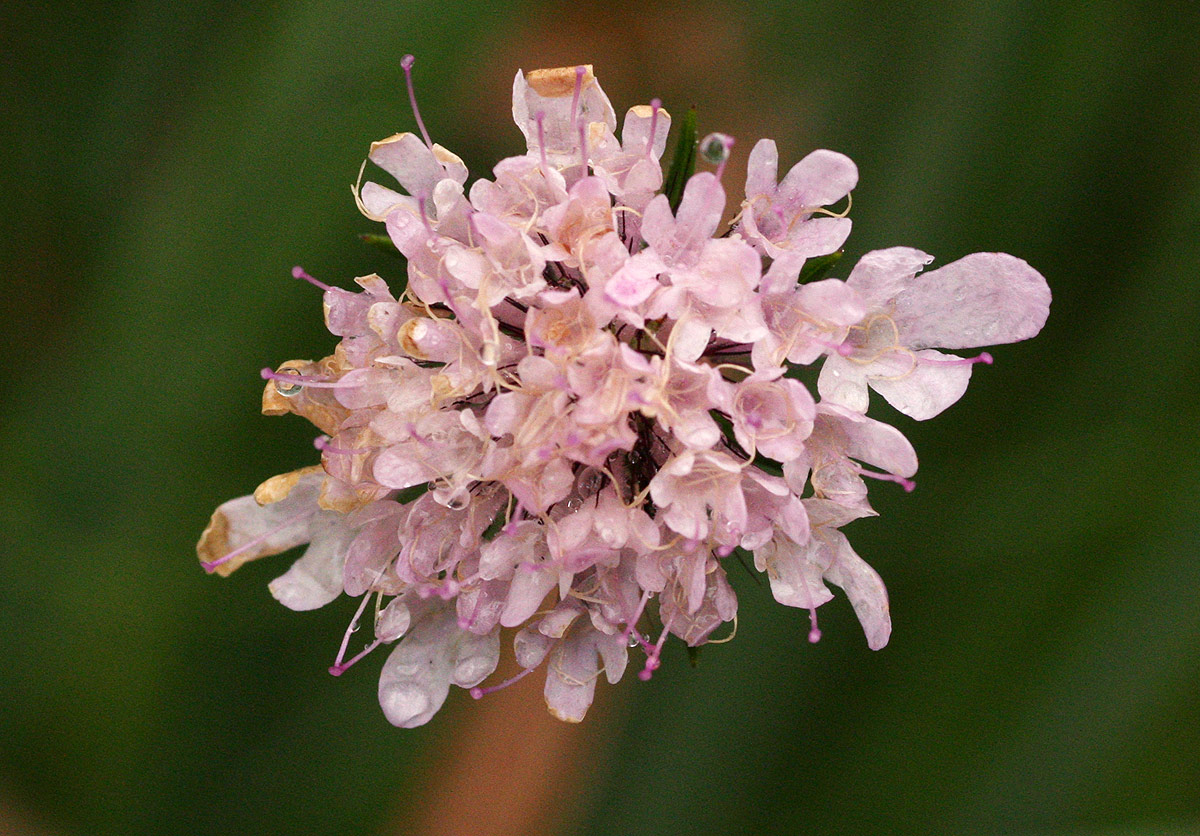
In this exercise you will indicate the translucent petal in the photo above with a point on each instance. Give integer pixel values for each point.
(316, 578)
(929, 388)
(864, 588)
(415, 680)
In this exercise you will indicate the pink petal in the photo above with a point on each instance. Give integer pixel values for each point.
(881, 275)
(982, 299)
(821, 178)
(762, 170)
(929, 388)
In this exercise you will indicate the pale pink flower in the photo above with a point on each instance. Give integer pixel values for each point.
(778, 217)
(982, 299)
(585, 405)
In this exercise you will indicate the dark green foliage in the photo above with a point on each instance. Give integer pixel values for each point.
(683, 164)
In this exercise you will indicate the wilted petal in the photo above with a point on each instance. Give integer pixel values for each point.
(276, 518)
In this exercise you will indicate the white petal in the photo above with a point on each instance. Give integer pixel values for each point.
(842, 382)
(476, 658)
(316, 578)
(415, 680)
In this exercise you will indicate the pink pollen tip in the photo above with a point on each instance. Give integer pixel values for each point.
(407, 61)
(985, 358)
(814, 636)
(476, 693)
(336, 670)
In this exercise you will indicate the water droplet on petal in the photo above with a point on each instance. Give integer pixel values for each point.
(288, 389)
(589, 482)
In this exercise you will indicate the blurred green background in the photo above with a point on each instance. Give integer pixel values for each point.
(166, 164)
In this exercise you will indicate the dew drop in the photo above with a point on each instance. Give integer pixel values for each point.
(488, 355)
(288, 389)
(589, 482)
(714, 148)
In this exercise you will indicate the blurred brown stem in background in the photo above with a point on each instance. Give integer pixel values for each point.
(510, 768)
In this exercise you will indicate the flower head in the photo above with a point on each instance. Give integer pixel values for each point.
(585, 405)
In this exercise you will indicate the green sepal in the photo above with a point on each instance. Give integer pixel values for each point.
(683, 164)
(380, 242)
(819, 267)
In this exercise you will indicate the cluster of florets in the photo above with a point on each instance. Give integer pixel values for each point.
(586, 403)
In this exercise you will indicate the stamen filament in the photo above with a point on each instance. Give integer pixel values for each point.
(298, 272)
(479, 693)
(984, 358)
(655, 106)
(907, 484)
(299, 379)
(338, 667)
(406, 62)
